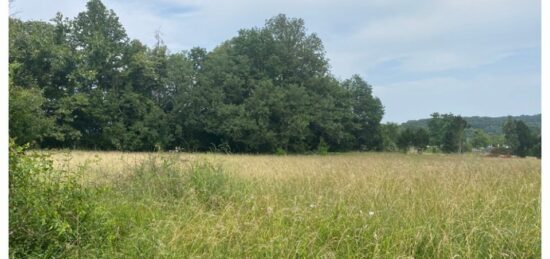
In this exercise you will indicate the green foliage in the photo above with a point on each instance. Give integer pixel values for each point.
(421, 139)
(390, 135)
(536, 147)
(51, 213)
(406, 139)
(491, 125)
(82, 83)
(265, 88)
(519, 137)
(28, 122)
(280, 152)
(417, 138)
(322, 148)
(367, 113)
(480, 139)
(447, 132)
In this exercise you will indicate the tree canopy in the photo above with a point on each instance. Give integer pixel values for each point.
(83, 83)
(520, 139)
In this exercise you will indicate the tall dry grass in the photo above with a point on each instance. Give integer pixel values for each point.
(370, 205)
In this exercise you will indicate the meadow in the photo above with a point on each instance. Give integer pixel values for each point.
(353, 205)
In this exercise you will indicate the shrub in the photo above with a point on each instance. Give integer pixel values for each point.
(280, 152)
(322, 148)
(51, 213)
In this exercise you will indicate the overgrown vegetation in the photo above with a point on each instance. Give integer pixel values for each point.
(57, 213)
(364, 204)
(51, 213)
(351, 205)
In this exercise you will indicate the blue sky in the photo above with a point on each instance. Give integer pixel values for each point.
(468, 57)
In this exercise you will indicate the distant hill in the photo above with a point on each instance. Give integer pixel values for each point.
(491, 125)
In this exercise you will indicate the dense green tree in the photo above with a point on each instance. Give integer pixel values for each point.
(453, 139)
(413, 138)
(518, 136)
(27, 121)
(406, 139)
(367, 112)
(100, 42)
(480, 139)
(536, 147)
(390, 135)
(255, 97)
(447, 132)
(421, 139)
(436, 127)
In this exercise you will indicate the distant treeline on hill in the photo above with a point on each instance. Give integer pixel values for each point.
(491, 125)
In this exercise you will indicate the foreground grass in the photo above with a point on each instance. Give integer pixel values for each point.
(349, 205)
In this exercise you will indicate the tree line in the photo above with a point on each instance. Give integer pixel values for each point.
(490, 125)
(450, 133)
(82, 83)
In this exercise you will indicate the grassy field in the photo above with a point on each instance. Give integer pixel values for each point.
(374, 205)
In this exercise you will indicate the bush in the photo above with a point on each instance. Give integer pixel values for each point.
(322, 148)
(51, 213)
(280, 152)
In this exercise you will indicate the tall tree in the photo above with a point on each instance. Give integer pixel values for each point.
(390, 135)
(367, 112)
(101, 42)
(518, 137)
(447, 132)
(421, 139)
(479, 139)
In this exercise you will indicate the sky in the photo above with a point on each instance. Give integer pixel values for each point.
(467, 57)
